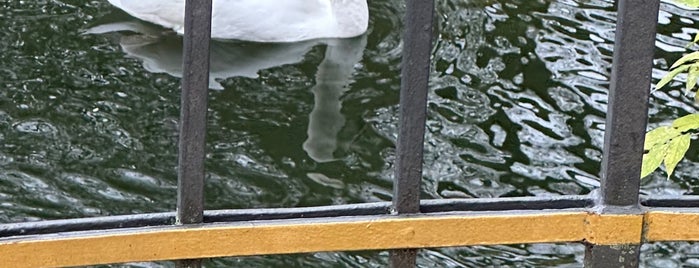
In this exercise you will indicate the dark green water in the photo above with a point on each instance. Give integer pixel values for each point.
(88, 118)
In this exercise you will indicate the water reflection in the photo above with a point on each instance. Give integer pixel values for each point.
(161, 52)
(517, 101)
(326, 119)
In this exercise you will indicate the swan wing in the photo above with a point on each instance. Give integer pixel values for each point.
(168, 13)
(271, 20)
(253, 20)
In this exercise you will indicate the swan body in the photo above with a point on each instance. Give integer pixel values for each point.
(262, 20)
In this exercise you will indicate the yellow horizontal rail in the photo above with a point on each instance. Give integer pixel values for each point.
(301, 236)
(662, 226)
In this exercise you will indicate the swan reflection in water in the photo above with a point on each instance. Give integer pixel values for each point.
(162, 53)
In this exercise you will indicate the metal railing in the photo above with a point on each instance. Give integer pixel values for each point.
(612, 222)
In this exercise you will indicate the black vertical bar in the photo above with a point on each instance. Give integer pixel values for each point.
(627, 111)
(627, 115)
(413, 105)
(401, 258)
(195, 85)
(192, 140)
(415, 72)
(597, 256)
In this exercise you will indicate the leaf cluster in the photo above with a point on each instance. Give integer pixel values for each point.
(688, 63)
(668, 144)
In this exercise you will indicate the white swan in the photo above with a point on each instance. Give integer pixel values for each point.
(262, 20)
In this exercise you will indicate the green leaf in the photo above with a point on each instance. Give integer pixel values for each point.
(677, 147)
(692, 76)
(685, 123)
(690, 3)
(686, 58)
(696, 39)
(653, 158)
(670, 75)
(660, 136)
(689, 57)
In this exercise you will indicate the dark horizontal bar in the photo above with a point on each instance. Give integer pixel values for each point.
(86, 224)
(501, 204)
(366, 209)
(235, 215)
(686, 201)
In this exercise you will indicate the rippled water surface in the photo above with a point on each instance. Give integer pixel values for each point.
(89, 109)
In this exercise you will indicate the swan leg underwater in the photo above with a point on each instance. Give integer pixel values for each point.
(278, 21)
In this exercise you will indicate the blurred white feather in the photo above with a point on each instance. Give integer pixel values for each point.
(262, 20)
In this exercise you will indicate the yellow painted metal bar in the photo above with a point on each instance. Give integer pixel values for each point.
(671, 226)
(613, 229)
(340, 234)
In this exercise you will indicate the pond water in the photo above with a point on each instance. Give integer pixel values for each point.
(90, 96)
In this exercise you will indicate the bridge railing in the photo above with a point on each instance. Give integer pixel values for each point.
(612, 222)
